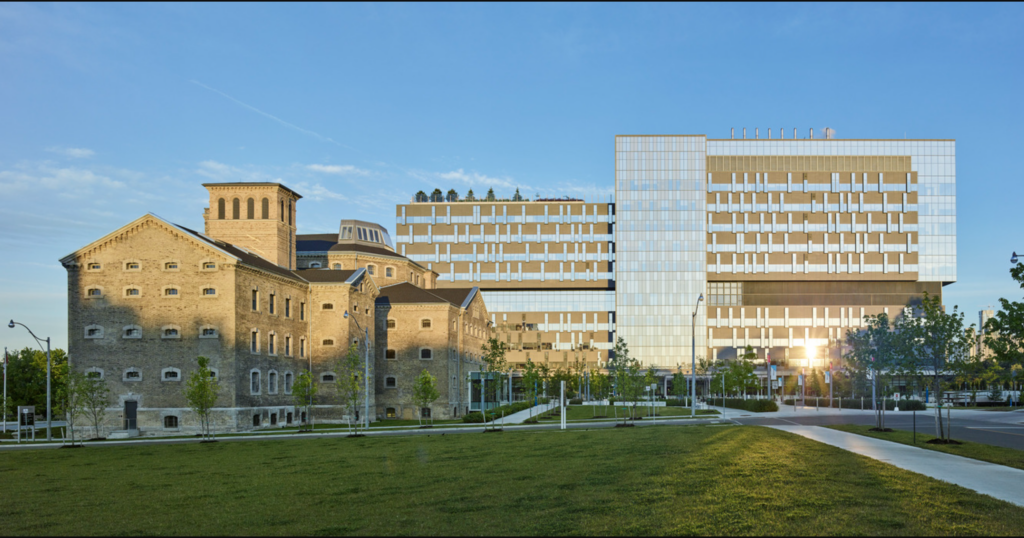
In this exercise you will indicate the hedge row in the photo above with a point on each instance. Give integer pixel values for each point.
(858, 403)
(755, 406)
(505, 410)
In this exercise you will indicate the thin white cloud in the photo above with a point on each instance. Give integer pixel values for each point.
(75, 153)
(69, 182)
(219, 171)
(341, 170)
(317, 192)
(474, 179)
(275, 118)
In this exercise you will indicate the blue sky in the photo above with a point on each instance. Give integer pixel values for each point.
(111, 111)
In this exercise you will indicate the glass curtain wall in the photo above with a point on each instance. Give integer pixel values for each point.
(660, 241)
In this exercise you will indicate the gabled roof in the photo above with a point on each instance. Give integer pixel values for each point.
(199, 238)
(406, 293)
(244, 256)
(341, 247)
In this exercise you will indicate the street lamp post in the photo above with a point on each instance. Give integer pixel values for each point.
(693, 358)
(366, 375)
(39, 341)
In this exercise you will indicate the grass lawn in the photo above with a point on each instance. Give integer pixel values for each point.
(660, 480)
(586, 412)
(979, 451)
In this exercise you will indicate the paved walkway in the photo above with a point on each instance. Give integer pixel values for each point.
(999, 481)
(518, 418)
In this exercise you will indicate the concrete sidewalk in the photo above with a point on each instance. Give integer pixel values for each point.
(519, 417)
(999, 481)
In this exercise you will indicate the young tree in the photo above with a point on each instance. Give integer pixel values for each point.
(531, 382)
(436, 196)
(629, 378)
(304, 393)
(494, 358)
(490, 195)
(95, 399)
(470, 197)
(201, 394)
(940, 343)
(424, 393)
(70, 401)
(421, 196)
(453, 196)
(348, 385)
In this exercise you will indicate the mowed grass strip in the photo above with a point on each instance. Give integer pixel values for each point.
(648, 480)
(979, 451)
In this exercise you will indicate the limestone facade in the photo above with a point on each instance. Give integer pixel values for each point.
(149, 298)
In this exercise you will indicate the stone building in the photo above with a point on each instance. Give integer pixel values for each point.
(441, 331)
(147, 299)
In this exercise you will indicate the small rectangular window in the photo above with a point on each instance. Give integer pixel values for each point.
(255, 300)
(390, 354)
(209, 265)
(302, 348)
(131, 266)
(94, 292)
(287, 345)
(131, 292)
(255, 341)
(302, 311)
(287, 308)
(391, 324)
(209, 332)
(170, 291)
(170, 266)
(94, 267)
(271, 305)
(270, 347)
(209, 291)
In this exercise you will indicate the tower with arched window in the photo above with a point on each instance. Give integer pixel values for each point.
(259, 217)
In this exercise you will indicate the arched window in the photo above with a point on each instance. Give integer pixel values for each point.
(328, 342)
(424, 323)
(426, 354)
(250, 209)
(391, 324)
(327, 377)
(272, 382)
(337, 266)
(327, 306)
(372, 269)
(220, 209)
(236, 209)
(390, 354)
(254, 385)
(266, 208)
(170, 422)
(390, 382)
(390, 412)
(288, 383)
(314, 265)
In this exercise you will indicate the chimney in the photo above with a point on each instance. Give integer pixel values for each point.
(732, 133)
(782, 133)
(756, 134)
(769, 133)
(794, 133)
(744, 133)
(812, 133)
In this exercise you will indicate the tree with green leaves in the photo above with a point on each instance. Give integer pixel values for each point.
(531, 382)
(470, 197)
(424, 393)
(882, 348)
(490, 195)
(26, 377)
(517, 197)
(304, 392)
(201, 390)
(421, 197)
(493, 356)
(69, 400)
(453, 196)
(629, 378)
(348, 386)
(95, 399)
(436, 196)
(939, 342)
(1004, 332)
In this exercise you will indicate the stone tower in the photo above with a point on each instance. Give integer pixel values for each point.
(259, 217)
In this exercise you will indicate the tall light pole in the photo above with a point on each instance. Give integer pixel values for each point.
(693, 358)
(39, 341)
(366, 375)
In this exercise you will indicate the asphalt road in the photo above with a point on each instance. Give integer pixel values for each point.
(1004, 429)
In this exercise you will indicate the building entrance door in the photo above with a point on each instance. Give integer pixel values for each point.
(130, 412)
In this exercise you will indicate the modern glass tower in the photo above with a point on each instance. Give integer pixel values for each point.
(660, 193)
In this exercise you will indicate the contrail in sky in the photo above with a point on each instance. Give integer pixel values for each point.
(275, 118)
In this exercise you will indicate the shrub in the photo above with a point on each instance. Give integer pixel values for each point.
(754, 406)
(576, 401)
(677, 402)
(855, 403)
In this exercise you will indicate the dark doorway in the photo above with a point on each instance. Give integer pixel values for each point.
(130, 415)
(288, 418)
(273, 419)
